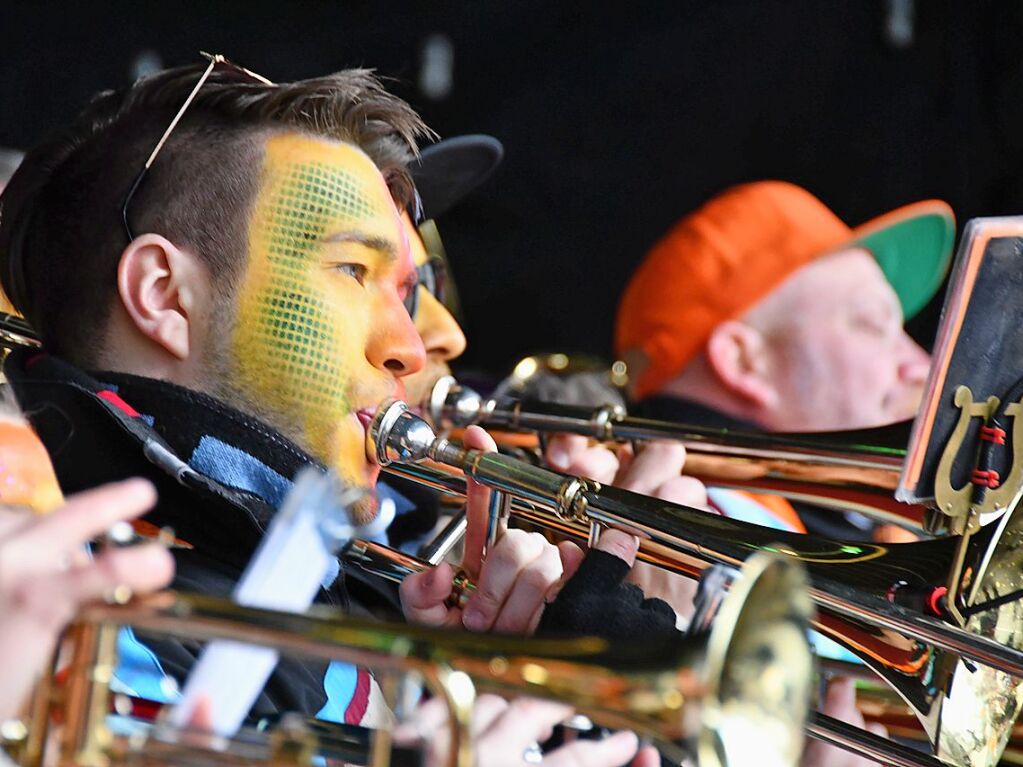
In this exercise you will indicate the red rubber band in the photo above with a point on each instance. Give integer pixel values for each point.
(992, 434)
(989, 478)
(934, 601)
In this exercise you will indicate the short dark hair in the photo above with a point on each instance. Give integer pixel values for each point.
(60, 217)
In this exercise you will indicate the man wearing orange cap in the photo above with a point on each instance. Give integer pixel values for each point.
(764, 307)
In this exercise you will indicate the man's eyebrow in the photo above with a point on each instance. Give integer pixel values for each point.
(380, 244)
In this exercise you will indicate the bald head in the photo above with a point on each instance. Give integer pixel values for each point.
(824, 350)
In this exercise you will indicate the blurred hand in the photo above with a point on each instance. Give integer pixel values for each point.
(840, 703)
(502, 732)
(520, 572)
(45, 575)
(656, 471)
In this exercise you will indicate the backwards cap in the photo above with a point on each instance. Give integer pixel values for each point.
(717, 263)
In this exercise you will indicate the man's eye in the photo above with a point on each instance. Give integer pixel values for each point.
(355, 271)
(869, 324)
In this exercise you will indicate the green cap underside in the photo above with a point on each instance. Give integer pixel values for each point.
(914, 255)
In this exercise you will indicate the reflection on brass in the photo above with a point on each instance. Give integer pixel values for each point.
(15, 333)
(963, 737)
(740, 689)
(814, 468)
(913, 649)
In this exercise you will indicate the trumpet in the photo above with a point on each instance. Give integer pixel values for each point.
(846, 471)
(883, 602)
(722, 695)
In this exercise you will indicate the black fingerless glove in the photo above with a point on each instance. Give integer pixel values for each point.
(597, 602)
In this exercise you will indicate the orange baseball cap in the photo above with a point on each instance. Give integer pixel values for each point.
(719, 261)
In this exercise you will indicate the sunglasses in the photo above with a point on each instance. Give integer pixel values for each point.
(431, 277)
(215, 60)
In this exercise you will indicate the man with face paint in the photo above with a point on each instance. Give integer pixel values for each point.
(444, 174)
(327, 257)
(240, 300)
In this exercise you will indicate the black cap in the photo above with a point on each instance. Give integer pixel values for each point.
(450, 169)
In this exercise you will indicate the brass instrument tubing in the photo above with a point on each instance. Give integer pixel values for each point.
(497, 517)
(859, 468)
(395, 566)
(464, 662)
(865, 743)
(437, 549)
(928, 630)
(931, 631)
(549, 417)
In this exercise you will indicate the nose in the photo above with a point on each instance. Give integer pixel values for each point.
(442, 337)
(394, 343)
(913, 366)
(915, 363)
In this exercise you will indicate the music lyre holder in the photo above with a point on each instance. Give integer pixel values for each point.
(965, 457)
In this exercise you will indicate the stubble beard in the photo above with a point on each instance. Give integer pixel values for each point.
(218, 379)
(363, 511)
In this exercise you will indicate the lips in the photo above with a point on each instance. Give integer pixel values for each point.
(365, 416)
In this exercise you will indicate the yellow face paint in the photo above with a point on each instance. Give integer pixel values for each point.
(319, 307)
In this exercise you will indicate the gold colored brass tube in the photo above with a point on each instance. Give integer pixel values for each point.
(710, 694)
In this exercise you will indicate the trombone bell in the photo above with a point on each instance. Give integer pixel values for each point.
(743, 684)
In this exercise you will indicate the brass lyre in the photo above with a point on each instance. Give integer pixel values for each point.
(963, 507)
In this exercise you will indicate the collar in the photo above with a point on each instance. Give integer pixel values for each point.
(214, 439)
(220, 474)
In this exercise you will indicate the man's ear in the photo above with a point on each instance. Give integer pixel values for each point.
(737, 354)
(158, 284)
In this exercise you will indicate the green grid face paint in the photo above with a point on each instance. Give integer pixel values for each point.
(323, 240)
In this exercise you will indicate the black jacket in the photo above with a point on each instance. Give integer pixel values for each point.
(219, 475)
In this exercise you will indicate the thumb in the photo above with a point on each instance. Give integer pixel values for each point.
(423, 596)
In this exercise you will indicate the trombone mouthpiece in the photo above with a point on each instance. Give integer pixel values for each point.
(453, 404)
(396, 434)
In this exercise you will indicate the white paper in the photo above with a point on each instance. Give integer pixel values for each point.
(284, 574)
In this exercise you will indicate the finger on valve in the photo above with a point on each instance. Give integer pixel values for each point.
(523, 564)
(574, 454)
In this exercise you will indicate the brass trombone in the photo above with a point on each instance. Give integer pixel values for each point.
(736, 691)
(847, 471)
(881, 601)
(915, 652)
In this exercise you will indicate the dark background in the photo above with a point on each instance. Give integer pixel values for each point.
(616, 118)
